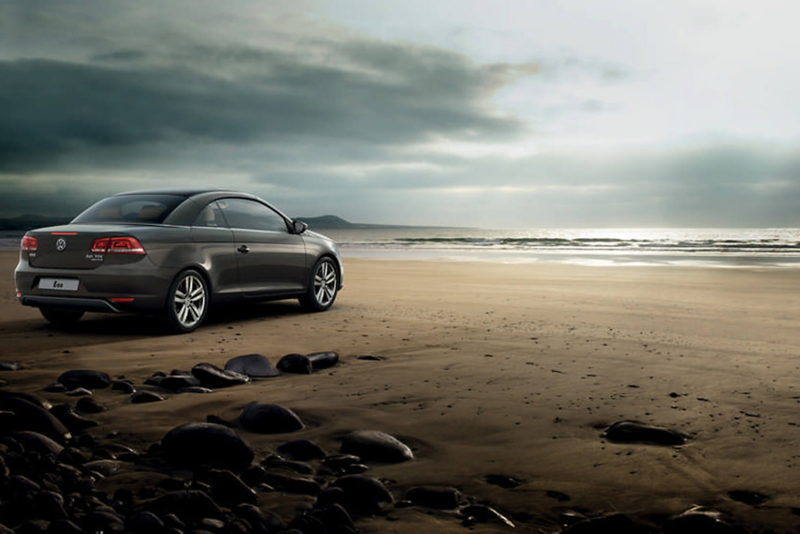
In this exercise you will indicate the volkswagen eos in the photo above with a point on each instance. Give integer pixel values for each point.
(173, 253)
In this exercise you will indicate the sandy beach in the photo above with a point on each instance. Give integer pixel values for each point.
(490, 369)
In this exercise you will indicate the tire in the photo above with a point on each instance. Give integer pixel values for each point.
(323, 286)
(61, 317)
(187, 303)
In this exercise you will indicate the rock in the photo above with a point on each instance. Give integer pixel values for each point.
(442, 498)
(214, 377)
(187, 505)
(484, 514)
(85, 379)
(55, 387)
(106, 467)
(178, 382)
(279, 463)
(269, 419)
(293, 484)
(63, 526)
(228, 490)
(633, 432)
(207, 443)
(74, 422)
(33, 441)
(322, 360)
(363, 495)
(261, 521)
(375, 446)
(33, 417)
(252, 365)
(503, 481)
(89, 405)
(335, 518)
(302, 450)
(195, 389)
(123, 386)
(753, 498)
(295, 363)
(698, 521)
(370, 358)
(10, 366)
(141, 397)
(78, 392)
(616, 523)
(145, 523)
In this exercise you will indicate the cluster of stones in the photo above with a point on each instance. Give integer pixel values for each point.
(50, 468)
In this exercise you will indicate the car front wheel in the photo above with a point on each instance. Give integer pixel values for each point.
(322, 286)
(187, 302)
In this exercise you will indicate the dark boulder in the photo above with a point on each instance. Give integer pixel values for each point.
(33, 441)
(189, 505)
(214, 377)
(33, 417)
(443, 498)
(207, 444)
(252, 365)
(302, 450)
(633, 432)
(269, 419)
(323, 360)
(375, 446)
(142, 397)
(363, 495)
(85, 379)
(295, 363)
(123, 386)
(89, 405)
(178, 382)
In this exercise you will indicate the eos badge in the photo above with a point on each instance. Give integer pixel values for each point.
(61, 244)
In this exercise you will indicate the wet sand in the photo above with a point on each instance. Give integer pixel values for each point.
(492, 369)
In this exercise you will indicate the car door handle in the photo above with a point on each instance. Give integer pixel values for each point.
(244, 249)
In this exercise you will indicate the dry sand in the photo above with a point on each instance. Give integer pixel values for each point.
(493, 369)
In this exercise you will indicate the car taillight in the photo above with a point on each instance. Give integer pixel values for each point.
(117, 245)
(29, 244)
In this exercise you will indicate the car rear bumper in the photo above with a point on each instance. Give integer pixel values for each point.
(137, 287)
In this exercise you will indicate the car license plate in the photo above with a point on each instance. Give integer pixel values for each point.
(59, 284)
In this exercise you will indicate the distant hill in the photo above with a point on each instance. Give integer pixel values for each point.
(30, 221)
(337, 223)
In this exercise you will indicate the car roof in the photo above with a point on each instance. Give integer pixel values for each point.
(183, 192)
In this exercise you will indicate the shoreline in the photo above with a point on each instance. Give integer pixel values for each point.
(493, 369)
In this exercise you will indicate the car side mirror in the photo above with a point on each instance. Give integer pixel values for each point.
(298, 227)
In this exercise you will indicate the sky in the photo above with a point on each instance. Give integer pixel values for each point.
(493, 114)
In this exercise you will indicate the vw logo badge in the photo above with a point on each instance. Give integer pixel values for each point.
(61, 244)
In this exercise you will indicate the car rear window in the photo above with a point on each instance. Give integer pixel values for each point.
(152, 209)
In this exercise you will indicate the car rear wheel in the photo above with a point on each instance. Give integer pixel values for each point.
(61, 317)
(187, 302)
(322, 286)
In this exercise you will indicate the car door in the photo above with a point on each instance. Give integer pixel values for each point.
(271, 260)
(217, 250)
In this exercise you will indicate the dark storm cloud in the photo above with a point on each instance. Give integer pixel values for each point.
(369, 93)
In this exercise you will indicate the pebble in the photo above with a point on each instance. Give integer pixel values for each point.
(295, 363)
(376, 446)
(10, 366)
(70, 418)
(252, 365)
(78, 392)
(302, 450)
(269, 419)
(123, 386)
(633, 432)
(85, 379)
(207, 443)
(479, 513)
(214, 377)
(141, 397)
(442, 498)
(363, 495)
(322, 360)
(89, 405)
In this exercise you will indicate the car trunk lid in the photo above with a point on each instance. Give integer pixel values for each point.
(70, 246)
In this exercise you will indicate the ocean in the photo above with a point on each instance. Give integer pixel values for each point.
(753, 247)
(744, 247)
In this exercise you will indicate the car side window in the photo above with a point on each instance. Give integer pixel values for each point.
(211, 217)
(251, 215)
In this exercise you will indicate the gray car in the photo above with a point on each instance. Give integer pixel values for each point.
(173, 253)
